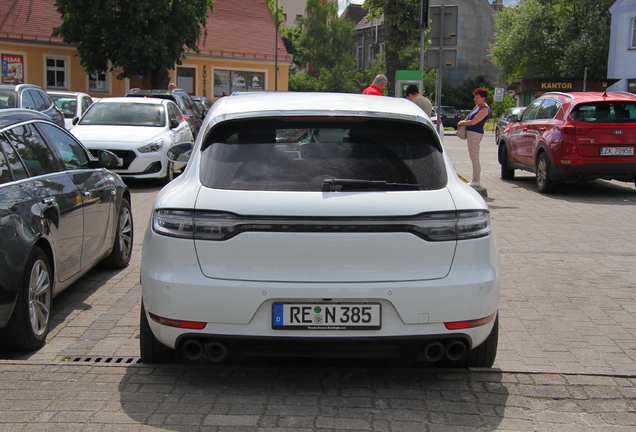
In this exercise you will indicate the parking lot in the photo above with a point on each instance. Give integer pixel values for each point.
(566, 358)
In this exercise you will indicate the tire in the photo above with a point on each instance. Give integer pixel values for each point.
(482, 356)
(31, 319)
(545, 184)
(122, 248)
(169, 174)
(153, 351)
(507, 173)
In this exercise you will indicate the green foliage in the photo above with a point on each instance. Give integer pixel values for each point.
(137, 37)
(276, 14)
(499, 108)
(552, 38)
(462, 97)
(321, 48)
(325, 40)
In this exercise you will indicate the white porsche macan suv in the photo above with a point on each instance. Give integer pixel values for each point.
(319, 225)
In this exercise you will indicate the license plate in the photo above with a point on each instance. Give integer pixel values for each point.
(617, 151)
(326, 316)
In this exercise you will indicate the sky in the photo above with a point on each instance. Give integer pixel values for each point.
(342, 4)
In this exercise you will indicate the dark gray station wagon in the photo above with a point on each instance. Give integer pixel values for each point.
(61, 212)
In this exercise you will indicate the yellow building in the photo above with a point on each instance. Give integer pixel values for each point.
(237, 53)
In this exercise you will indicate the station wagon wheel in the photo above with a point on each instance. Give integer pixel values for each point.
(545, 184)
(507, 173)
(31, 319)
(122, 248)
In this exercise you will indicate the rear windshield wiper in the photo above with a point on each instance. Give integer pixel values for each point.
(329, 185)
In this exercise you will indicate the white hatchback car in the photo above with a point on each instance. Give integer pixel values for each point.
(321, 225)
(72, 104)
(139, 131)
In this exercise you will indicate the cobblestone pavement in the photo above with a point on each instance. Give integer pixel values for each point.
(566, 359)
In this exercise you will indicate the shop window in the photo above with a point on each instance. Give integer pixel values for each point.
(226, 82)
(186, 79)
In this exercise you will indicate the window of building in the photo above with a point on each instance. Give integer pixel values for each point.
(226, 82)
(633, 44)
(371, 55)
(284, 17)
(56, 72)
(631, 85)
(98, 82)
(186, 79)
(359, 59)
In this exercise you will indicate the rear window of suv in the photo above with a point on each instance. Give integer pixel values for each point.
(605, 112)
(301, 154)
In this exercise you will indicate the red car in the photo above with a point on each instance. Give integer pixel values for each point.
(564, 136)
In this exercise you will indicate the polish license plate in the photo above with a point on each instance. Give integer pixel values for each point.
(617, 151)
(326, 316)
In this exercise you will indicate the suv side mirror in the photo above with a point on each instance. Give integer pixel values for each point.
(174, 123)
(75, 121)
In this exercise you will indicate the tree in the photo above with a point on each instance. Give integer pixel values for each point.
(322, 51)
(401, 26)
(138, 37)
(552, 39)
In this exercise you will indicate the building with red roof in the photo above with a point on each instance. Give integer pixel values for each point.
(239, 50)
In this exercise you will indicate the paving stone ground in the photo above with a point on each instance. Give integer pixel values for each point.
(566, 358)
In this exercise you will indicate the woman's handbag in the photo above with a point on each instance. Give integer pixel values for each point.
(461, 132)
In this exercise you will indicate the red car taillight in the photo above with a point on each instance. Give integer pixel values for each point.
(576, 130)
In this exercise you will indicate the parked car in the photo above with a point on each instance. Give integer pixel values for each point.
(450, 116)
(61, 213)
(511, 114)
(32, 97)
(564, 136)
(305, 226)
(203, 103)
(139, 131)
(72, 104)
(183, 100)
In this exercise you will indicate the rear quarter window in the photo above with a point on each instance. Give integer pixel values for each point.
(298, 155)
(605, 112)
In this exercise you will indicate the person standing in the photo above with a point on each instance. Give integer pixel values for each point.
(377, 87)
(475, 131)
(413, 94)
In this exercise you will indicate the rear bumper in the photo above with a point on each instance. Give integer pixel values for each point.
(624, 172)
(406, 347)
(233, 310)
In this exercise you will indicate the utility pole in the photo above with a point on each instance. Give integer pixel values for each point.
(276, 48)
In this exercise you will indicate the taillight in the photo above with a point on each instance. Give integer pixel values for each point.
(194, 325)
(217, 226)
(457, 325)
(576, 130)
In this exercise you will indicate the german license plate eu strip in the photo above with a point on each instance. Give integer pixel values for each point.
(326, 316)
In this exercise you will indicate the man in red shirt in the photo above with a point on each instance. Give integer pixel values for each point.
(377, 87)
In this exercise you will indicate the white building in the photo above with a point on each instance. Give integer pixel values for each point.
(622, 54)
(292, 9)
